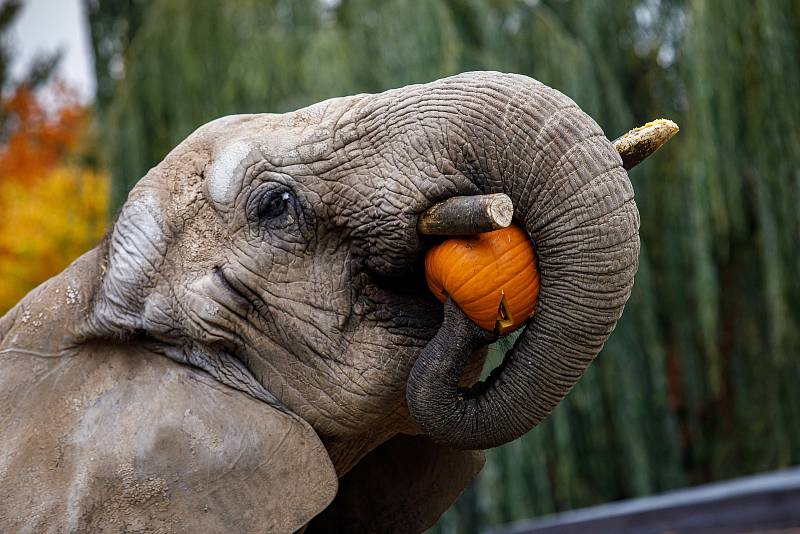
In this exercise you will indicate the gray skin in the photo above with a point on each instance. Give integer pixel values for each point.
(247, 350)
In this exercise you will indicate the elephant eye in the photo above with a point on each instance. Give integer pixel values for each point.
(273, 204)
(274, 207)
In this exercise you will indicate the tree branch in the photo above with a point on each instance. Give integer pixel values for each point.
(467, 215)
(640, 142)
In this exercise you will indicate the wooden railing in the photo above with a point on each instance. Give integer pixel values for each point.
(759, 503)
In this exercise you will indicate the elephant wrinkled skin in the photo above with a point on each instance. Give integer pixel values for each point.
(252, 349)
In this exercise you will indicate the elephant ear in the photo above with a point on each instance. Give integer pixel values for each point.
(403, 486)
(113, 440)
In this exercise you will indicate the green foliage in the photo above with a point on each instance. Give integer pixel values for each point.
(699, 380)
(114, 25)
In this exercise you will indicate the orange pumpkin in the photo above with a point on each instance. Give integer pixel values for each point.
(492, 277)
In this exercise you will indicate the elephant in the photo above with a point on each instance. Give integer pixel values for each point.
(252, 347)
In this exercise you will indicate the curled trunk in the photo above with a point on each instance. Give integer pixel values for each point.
(511, 134)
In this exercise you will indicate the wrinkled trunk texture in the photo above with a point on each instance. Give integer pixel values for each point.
(511, 134)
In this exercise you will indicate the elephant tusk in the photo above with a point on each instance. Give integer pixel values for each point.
(484, 213)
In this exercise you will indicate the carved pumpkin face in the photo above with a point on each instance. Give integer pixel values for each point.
(492, 277)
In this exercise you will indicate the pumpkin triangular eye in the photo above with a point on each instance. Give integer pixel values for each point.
(504, 317)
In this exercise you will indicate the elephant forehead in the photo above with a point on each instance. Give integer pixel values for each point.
(224, 178)
(281, 148)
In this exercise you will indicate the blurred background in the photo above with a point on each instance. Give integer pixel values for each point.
(700, 380)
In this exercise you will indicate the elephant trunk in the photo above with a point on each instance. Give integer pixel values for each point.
(511, 134)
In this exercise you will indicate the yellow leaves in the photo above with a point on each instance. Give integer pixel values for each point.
(50, 212)
(46, 225)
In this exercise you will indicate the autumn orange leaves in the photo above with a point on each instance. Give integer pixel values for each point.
(53, 204)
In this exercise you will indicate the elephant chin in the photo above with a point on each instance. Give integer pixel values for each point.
(575, 201)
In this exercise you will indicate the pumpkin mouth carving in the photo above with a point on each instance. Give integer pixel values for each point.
(505, 319)
(493, 277)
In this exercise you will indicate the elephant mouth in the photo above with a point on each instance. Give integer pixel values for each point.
(410, 282)
(403, 298)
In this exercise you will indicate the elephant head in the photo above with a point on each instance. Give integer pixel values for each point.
(279, 254)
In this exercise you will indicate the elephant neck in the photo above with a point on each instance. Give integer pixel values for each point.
(345, 454)
(53, 318)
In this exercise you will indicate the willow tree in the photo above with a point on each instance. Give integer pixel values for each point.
(698, 381)
(739, 183)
